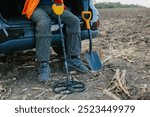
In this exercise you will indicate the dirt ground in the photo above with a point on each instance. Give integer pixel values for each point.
(124, 49)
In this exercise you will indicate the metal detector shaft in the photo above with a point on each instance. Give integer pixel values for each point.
(64, 50)
(69, 86)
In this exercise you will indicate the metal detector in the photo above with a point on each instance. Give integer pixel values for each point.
(68, 86)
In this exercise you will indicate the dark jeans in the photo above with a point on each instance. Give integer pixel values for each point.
(42, 18)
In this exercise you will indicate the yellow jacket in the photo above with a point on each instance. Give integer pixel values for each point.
(30, 6)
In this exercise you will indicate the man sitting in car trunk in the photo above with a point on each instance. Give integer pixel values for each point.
(40, 12)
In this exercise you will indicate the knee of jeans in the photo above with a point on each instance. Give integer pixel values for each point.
(76, 21)
(43, 24)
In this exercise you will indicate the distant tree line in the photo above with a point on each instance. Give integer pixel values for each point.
(103, 5)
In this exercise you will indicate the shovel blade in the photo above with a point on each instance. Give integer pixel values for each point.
(93, 61)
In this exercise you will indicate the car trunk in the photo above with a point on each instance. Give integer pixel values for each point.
(13, 8)
(77, 6)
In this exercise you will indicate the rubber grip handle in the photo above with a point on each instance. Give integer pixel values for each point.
(87, 20)
(58, 9)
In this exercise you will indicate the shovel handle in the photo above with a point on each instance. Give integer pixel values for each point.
(87, 20)
(58, 9)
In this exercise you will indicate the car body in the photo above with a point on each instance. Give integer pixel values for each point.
(18, 33)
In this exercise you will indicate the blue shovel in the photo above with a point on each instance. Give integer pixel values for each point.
(91, 57)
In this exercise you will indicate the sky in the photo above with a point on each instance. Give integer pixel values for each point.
(139, 2)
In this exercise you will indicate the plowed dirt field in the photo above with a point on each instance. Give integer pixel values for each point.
(124, 49)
